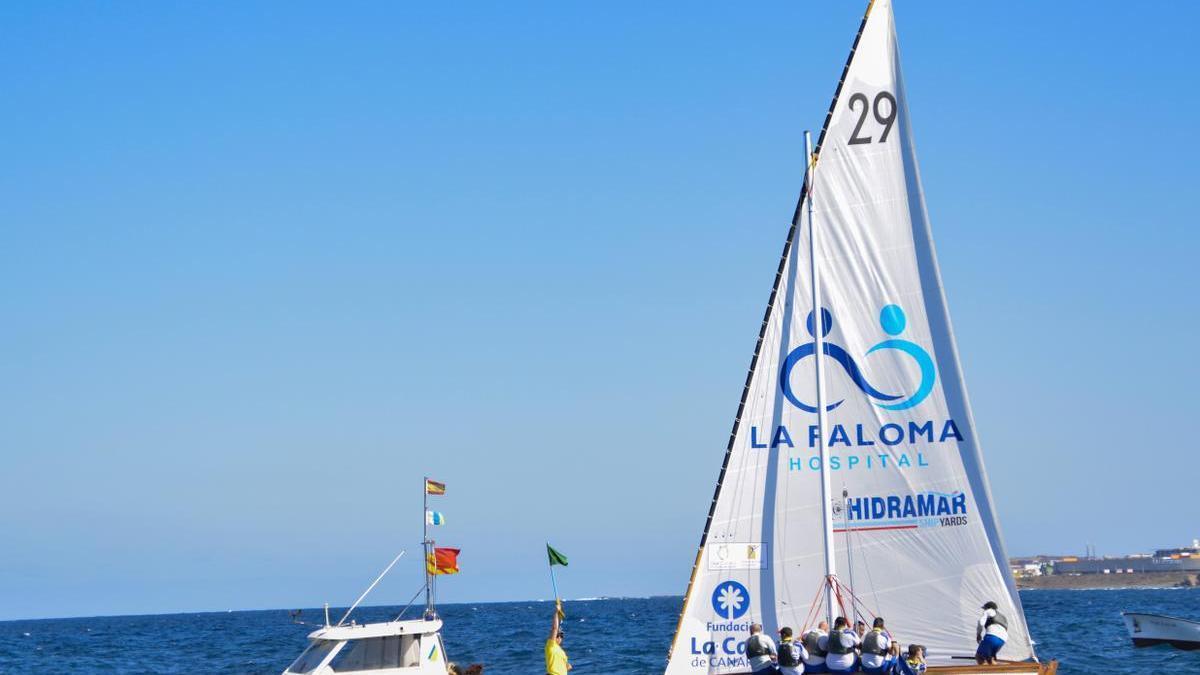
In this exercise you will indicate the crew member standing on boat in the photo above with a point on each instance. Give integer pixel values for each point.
(556, 658)
(991, 632)
(760, 649)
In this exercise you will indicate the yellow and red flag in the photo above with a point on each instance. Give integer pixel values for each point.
(442, 561)
(432, 487)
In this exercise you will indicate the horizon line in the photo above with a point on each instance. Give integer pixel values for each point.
(333, 607)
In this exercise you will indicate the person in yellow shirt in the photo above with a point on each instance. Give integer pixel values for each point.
(556, 658)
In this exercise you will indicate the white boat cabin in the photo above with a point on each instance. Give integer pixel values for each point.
(399, 647)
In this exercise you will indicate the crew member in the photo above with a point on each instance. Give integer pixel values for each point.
(876, 646)
(760, 649)
(816, 642)
(991, 632)
(792, 654)
(842, 642)
(556, 658)
(913, 664)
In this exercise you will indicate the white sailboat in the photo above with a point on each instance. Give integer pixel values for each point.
(853, 484)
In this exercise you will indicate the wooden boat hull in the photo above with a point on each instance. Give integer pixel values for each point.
(1012, 668)
(1007, 667)
(1149, 630)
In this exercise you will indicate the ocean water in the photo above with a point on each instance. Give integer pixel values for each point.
(622, 636)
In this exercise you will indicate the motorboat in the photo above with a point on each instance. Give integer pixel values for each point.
(396, 647)
(412, 647)
(1148, 630)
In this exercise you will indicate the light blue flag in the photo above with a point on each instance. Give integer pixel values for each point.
(435, 518)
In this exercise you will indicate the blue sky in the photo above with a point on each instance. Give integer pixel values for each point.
(264, 265)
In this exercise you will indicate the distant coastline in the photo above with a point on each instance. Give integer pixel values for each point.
(1093, 581)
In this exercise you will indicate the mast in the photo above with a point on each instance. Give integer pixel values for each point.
(818, 319)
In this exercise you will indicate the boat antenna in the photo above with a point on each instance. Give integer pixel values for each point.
(818, 329)
(371, 587)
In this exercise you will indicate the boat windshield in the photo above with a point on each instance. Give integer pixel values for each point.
(313, 656)
(393, 651)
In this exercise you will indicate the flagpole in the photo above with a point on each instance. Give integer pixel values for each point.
(553, 581)
(425, 547)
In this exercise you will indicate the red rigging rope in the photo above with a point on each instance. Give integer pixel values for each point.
(814, 607)
(837, 591)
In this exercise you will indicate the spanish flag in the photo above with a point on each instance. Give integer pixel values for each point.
(442, 561)
(432, 487)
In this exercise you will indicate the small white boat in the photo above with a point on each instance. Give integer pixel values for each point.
(1148, 630)
(396, 647)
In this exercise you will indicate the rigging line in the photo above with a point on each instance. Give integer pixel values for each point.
(837, 591)
(372, 586)
(410, 602)
(814, 607)
(857, 599)
(849, 548)
(860, 600)
(871, 581)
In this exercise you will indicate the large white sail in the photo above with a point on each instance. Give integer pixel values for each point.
(924, 543)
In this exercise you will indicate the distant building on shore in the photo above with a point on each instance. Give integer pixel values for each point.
(1185, 559)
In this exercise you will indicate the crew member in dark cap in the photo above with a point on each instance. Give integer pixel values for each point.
(991, 632)
(792, 654)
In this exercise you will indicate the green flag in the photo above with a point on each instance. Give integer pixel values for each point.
(556, 558)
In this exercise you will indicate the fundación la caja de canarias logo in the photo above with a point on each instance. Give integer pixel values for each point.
(725, 645)
(893, 321)
(730, 600)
